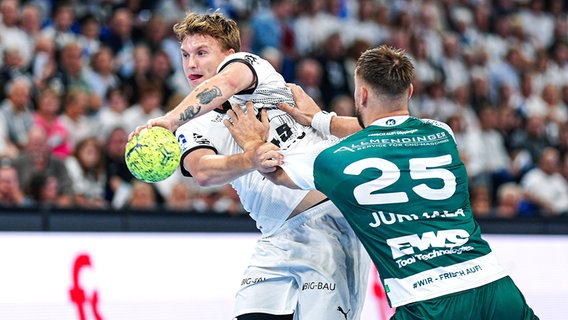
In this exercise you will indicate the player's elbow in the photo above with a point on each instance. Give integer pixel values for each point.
(204, 180)
(231, 83)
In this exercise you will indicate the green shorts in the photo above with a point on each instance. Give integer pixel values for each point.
(497, 300)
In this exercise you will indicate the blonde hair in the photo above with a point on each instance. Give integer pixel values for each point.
(221, 28)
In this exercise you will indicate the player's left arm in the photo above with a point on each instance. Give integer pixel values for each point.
(211, 169)
(210, 94)
(308, 113)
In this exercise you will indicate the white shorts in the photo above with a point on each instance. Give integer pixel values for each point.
(313, 266)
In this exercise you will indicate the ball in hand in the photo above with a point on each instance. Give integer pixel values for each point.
(152, 155)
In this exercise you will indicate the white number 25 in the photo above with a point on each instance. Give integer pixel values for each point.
(420, 168)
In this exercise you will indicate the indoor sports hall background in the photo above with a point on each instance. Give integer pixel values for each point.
(477, 61)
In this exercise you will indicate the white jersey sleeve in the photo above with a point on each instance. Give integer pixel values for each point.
(191, 136)
(299, 162)
(270, 87)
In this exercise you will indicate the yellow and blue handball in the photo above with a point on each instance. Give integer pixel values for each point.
(153, 155)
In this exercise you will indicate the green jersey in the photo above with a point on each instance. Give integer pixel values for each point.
(401, 185)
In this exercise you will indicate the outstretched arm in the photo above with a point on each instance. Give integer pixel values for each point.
(306, 109)
(205, 97)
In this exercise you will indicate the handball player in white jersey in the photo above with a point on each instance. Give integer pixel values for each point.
(308, 263)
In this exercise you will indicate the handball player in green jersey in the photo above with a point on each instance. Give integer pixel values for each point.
(401, 185)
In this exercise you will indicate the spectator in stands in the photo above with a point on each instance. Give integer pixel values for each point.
(312, 16)
(559, 59)
(71, 74)
(426, 69)
(365, 26)
(556, 111)
(118, 176)
(170, 82)
(308, 76)
(489, 163)
(480, 93)
(86, 168)
(272, 29)
(332, 57)
(101, 75)
(120, 39)
(75, 116)
(222, 199)
(148, 107)
(13, 67)
(44, 191)
(37, 159)
(343, 105)
(12, 36)
(140, 76)
(564, 168)
(158, 37)
(511, 202)
(43, 66)
(89, 35)
(437, 103)
(16, 115)
(112, 113)
(545, 187)
(60, 26)
(452, 64)
(563, 139)
(180, 198)
(528, 101)
(46, 117)
(537, 23)
(229, 201)
(460, 97)
(11, 194)
(31, 24)
(143, 197)
(352, 54)
(508, 71)
(531, 138)
(481, 203)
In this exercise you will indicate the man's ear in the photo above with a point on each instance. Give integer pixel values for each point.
(410, 91)
(364, 97)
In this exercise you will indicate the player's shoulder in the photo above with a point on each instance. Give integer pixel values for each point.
(244, 57)
(439, 124)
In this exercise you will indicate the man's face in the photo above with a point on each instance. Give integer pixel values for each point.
(201, 55)
(8, 181)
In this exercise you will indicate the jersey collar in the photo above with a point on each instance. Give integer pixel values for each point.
(390, 121)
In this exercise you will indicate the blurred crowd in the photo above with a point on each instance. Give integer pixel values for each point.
(77, 76)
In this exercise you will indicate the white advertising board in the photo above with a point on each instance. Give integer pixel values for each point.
(170, 276)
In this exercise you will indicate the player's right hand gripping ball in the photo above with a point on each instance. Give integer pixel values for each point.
(153, 155)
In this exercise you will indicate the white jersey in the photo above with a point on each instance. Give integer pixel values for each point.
(268, 204)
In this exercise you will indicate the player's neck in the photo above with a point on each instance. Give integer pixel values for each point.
(392, 114)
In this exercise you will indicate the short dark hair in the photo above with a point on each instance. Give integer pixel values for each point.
(388, 71)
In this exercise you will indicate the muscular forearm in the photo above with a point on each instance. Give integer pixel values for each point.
(215, 170)
(206, 97)
(211, 94)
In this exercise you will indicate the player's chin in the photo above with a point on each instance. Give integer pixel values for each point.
(195, 82)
